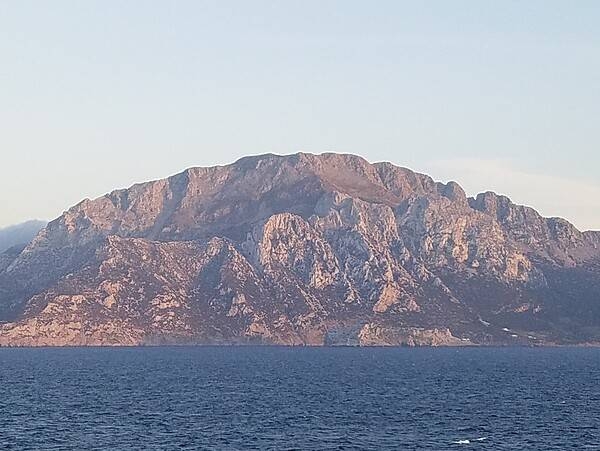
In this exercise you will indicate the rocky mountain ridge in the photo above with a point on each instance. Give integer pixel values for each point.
(302, 249)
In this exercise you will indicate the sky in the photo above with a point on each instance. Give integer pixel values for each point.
(496, 95)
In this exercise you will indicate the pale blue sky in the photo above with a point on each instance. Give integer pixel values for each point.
(501, 95)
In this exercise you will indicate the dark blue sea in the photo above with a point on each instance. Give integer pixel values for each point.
(271, 398)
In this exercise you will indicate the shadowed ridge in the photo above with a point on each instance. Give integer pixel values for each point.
(19, 234)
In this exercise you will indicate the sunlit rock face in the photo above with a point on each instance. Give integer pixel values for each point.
(301, 250)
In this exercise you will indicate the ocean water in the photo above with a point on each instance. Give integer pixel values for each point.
(188, 398)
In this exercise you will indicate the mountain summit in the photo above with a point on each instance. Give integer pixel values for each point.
(302, 249)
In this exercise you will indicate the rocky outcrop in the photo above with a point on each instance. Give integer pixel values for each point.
(301, 249)
(376, 335)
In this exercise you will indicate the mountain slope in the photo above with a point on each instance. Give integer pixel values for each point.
(20, 234)
(302, 249)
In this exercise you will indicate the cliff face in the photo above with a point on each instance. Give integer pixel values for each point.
(302, 249)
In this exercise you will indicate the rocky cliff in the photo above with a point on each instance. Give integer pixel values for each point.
(302, 249)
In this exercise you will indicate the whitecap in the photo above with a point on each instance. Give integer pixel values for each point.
(468, 442)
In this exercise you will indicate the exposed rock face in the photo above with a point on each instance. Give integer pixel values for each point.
(374, 335)
(301, 249)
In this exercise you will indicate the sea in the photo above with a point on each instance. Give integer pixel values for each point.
(299, 398)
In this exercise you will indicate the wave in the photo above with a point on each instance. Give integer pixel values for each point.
(469, 441)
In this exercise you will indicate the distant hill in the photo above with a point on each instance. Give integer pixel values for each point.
(302, 249)
(19, 234)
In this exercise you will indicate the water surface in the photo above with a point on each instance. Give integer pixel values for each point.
(299, 398)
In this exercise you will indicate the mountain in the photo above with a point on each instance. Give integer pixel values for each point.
(302, 249)
(20, 234)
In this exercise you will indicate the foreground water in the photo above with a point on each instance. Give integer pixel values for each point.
(299, 398)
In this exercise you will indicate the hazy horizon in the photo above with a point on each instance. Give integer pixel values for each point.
(496, 96)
